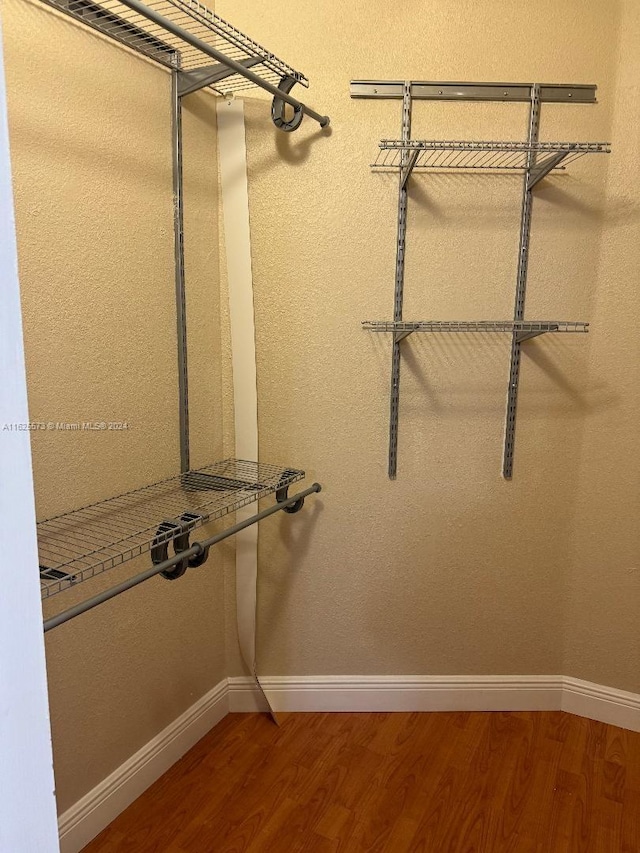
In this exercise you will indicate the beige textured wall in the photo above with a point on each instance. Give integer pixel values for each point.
(449, 569)
(603, 587)
(90, 137)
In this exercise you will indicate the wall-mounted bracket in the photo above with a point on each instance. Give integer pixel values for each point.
(537, 174)
(282, 495)
(521, 286)
(400, 336)
(406, 172)
(526, 336)
(519, 92)
(191, 81)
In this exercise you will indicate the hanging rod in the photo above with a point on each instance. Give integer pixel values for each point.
(278, 93)
(196, 551)
(183, 35)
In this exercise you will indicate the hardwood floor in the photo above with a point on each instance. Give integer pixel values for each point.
(426, 783)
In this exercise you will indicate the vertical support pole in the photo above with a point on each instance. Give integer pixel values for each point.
(399, 285)
(521, 286)
(178, 232)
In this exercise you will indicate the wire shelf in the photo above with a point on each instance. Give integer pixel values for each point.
(118, 21)
(501, 156)
(524, 326)
(78, 545)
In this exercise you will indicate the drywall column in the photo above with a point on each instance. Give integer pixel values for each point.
(27, 799)
(237, 238)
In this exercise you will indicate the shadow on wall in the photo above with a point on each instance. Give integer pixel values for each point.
(296, 151)
(293, 542)
(591, 204)
(293, 149)
(435, 367)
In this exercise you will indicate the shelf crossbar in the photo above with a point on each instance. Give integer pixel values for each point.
(425, 90)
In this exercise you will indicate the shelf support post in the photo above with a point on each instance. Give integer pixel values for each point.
(178, 238)
(399, 283)
(521, 285)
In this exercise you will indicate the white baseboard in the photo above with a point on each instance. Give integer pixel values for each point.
(97, 809)
(606, 704)
(105, 802)
(399, 693)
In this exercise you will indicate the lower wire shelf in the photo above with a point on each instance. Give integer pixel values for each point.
(78, 545)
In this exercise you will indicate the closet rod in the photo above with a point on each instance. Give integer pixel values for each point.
(205, 48)
(194, 551)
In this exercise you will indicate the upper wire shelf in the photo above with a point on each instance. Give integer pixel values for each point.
(121, 22)
(78, 545)
(475, 326)
(522, 329)
(539, 157)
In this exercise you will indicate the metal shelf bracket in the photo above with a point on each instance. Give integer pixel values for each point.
(406, 172)
(526, 336)
(400, 336)
(536, 175)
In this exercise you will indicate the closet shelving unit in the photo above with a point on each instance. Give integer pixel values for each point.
(199, 50)
(534, 159)
(78, 545)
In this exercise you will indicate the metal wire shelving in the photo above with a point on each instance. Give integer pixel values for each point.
(129, 26)
(540, 157)
(533, 158)
(184, 36)
(78, 545)
(200, 50)
(523, 329)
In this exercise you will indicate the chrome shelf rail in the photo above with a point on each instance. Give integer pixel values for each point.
(430, 90)
(79, 545)
(532, 158)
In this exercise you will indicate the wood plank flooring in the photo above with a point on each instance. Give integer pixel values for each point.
(530, 782)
